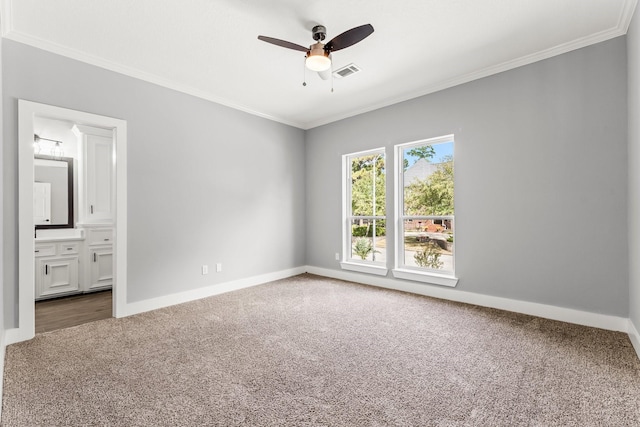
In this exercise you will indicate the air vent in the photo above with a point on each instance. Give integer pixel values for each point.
(346, 71)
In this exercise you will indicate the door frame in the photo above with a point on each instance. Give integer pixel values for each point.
(28, 111)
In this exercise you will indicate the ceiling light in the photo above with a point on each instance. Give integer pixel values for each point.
(318, 59)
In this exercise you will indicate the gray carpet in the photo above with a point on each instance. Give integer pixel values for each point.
(309, 351)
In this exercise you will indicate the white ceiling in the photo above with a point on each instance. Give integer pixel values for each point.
(209, 48)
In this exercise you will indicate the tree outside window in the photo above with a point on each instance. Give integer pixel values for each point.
(366, 227)
(426, 208)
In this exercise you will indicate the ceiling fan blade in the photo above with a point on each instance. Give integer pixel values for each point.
(283, 43)
(349, 38)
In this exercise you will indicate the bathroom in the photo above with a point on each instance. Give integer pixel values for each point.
(73, 207)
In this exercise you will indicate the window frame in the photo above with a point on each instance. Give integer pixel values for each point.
(347, 261)
(400, 270)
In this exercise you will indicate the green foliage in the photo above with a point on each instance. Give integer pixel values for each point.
(367, 230)
(363, 247)
(450, 238)
(359, 230)
(429, 256)
(424, 152)
(363, 173)
(433, 195)
(365, 163)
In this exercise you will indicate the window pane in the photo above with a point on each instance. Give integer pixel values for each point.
(428, 179)
(368, 189)
(369, 240)
(428, 243)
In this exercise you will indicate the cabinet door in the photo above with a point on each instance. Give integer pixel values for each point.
(101, 267)
(99, 178)
(55, 276)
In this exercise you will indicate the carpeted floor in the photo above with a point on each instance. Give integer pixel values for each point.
(309, 351)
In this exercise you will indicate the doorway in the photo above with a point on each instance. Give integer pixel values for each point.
(29, 113)
(73, 310)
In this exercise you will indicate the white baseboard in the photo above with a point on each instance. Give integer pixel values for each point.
(218, 288)
(603, 321)
(14, 335)
(596, 320)
(634, 337)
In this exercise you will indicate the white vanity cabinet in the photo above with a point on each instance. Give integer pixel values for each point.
(56, 269)
(101, 266)
(65, 267)
(99, 255)
(96, 172)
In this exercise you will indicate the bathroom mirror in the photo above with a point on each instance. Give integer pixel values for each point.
(53, 192)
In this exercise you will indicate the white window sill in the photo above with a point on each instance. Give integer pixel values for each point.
(420, 276)
(364, 268)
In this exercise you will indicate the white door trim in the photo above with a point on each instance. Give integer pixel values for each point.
(27, 112)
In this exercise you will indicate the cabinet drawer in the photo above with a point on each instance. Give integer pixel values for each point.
(99, 236)
(45, 249)
(68, 248)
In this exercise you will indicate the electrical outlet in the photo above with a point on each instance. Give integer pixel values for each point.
(219, 267)
(205, 269)
(337, 256)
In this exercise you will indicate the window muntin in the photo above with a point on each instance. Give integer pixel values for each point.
(425, 206)
(365, 208)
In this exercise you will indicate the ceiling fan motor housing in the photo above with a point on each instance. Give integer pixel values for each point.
(317, 49)
(319, 33)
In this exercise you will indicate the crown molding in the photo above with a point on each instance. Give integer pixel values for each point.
(626, 15)
(6, 28)
(621, 29)
(135, 73)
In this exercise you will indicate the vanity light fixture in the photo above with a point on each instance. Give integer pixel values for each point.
(36, 144)
(56, 150)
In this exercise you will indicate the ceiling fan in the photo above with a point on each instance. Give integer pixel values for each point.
(318, 55)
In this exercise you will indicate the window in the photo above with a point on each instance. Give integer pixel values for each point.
(425, 211)
(364, 216)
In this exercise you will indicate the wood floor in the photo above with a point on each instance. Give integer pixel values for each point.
(72, 311)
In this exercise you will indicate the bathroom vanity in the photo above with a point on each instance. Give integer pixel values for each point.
(82, 262)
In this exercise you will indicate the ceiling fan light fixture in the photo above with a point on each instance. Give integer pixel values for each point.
(318, 56)
(318, 59)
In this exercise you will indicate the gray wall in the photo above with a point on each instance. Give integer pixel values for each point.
(206, 183)
(541, 178)
(633, 58)
(2, 207)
